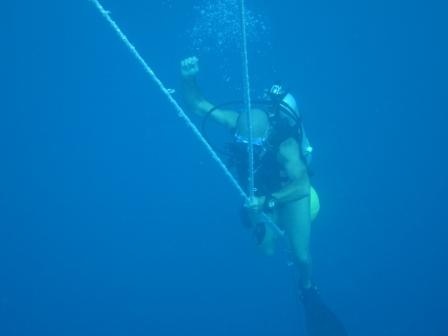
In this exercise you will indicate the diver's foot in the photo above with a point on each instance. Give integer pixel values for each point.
(320, 320)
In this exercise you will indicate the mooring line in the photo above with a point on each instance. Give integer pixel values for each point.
(169, 96)
(178, 108)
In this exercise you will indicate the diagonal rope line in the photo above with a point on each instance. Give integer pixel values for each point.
(176, 105)
(169, 96)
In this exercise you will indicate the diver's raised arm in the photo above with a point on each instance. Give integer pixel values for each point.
(189, 68)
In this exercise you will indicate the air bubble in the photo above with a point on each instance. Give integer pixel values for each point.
(218, 26)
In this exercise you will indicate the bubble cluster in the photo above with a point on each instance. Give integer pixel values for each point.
(217, 26)
(167, 3)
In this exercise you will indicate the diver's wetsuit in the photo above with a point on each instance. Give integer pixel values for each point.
(267, 170)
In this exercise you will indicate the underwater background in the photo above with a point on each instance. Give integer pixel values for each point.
(115, 221)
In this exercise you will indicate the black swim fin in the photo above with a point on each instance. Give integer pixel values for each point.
(320, 320)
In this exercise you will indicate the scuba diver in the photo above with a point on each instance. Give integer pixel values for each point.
(285, 203)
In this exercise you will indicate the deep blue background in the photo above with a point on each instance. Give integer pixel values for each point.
(114, 220)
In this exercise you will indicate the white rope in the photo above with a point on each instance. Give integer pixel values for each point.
(178, 108)
(248, 108)
(247, 103)
(170, 97)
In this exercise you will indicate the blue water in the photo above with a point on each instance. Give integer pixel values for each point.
(115, 221)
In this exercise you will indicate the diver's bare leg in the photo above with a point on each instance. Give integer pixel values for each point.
(269, 236)
(296, 218)
(269, 240)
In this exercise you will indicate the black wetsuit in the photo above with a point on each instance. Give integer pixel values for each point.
(268, 173)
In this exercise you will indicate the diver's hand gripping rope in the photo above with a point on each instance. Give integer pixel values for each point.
(173, 102)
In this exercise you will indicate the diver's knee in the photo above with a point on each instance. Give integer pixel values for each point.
(303, 259)
(267, 246)
(268, 250)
